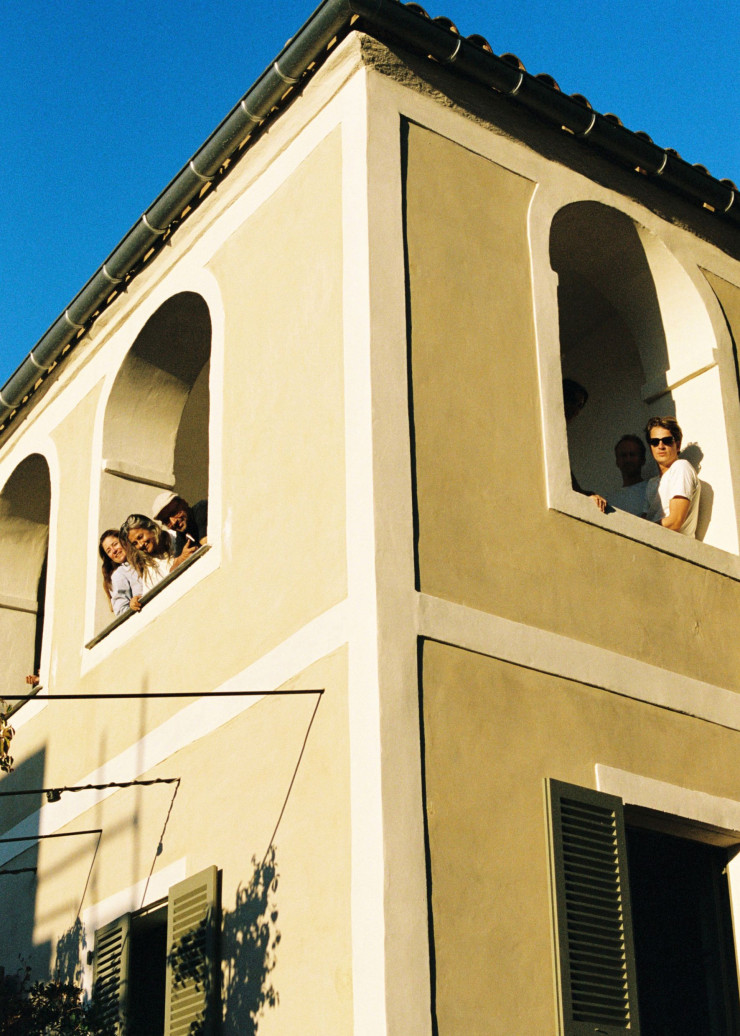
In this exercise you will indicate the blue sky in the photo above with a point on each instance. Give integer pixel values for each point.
(102, 106)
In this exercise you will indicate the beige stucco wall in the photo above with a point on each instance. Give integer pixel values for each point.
(281, 279)
(234, 785)
(486, 536)
(729, 298)
(492, 733)
(284, 555)
(281, 552)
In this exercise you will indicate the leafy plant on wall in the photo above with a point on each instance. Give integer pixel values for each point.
(6, 736)
(53, 1008)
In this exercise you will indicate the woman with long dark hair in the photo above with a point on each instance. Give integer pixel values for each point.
(120, 582)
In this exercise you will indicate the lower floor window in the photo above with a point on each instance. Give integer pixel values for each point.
(156, 971)
(684, 952)
(642, 919)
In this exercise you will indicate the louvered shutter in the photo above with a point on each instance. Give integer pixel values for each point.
(193, 974)
(591, 908)
(110, 971)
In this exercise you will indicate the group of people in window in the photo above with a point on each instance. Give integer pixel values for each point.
(670, 498)
(139, 555)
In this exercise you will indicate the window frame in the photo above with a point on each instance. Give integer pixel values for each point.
(99, 642)
(562, 498)
(559, 493)
(193, 914)
(47, 452)
(681, 825)
(119, 620)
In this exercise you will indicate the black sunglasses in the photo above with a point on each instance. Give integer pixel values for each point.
(667, 440)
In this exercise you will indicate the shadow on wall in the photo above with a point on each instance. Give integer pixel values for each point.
(18, 891)
(70, 949)
(249, 944)
(249, 941)
(25, 502)
(612, 336)
(694, 454)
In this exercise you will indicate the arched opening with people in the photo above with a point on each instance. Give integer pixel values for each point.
(155, 431)
(25, 502)
(635, 332)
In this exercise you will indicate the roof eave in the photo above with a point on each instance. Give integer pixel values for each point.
(409, 25)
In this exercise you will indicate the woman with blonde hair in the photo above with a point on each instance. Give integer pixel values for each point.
(151, 549)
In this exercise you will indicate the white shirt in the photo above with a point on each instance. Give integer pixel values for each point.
(679, 480)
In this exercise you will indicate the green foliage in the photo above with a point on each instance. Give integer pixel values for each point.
(6, 736)
(47, 1009)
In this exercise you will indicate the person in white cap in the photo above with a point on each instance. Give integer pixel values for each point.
(190, 524)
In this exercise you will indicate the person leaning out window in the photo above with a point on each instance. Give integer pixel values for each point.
(673, 495)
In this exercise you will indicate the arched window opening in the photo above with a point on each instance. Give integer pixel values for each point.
(24, 538)
(635, 332)
(155, 433)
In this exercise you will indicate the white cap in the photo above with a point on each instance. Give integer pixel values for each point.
(161, 501)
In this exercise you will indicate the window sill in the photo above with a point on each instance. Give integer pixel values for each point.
(17, 705)
(148, 596)
(623, 524)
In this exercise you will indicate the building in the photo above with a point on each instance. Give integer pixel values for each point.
(457, 753)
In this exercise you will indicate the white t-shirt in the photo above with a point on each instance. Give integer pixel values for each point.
(679, 480)
(632, 499)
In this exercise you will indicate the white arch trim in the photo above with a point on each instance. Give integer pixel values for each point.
(669, 254)
(185, 277)
(44, 447)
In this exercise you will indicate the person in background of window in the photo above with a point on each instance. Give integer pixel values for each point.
(575, 398)
(120, 582)
(673, 495)
(151, 549)
(190, 524)
(630, 457)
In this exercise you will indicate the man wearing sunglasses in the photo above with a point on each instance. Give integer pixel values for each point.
(673, 495)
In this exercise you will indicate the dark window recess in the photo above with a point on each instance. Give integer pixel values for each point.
(642, 920)
(157, 971)
(41, 606)
(147, 972)
(685, 957)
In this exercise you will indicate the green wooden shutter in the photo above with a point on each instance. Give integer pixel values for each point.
(193, 973)
(591, 910)
(111, 969)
